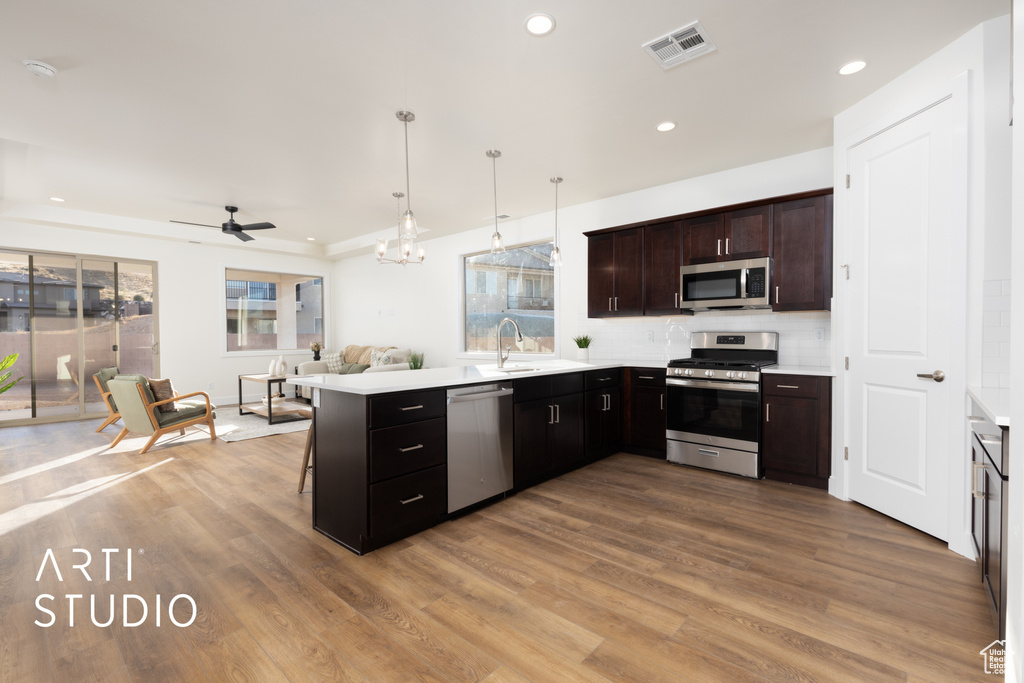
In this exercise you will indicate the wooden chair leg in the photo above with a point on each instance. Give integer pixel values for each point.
(117, 440)
(152, 440)
(213, 431)
(109, 421)
(305, 458)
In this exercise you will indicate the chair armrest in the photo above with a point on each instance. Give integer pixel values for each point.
(313, 367)
(179, 397)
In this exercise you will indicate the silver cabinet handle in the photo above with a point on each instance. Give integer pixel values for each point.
(551, 417)
(719, 247)
(411, 500)
(677, 300)
(661, 402)
(786, 386)
(645, 377)
(609, 303)
(704, 451)
(767, 412)
(412, 407)
(776, 294)
(410, 448)
(604, 379)
(975, 490)
(558, 414)
(726, 246)
(938, 375)
(616, 303)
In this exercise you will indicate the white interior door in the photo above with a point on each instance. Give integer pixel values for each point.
(899, 249)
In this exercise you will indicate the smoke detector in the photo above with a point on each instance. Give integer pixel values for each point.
(40, 68)
(682, 45)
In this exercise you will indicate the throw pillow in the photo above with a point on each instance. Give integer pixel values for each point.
(396, 356)
(334, 362)
(162, 390)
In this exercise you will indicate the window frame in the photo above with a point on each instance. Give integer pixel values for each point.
(310, 275)
(483, 356)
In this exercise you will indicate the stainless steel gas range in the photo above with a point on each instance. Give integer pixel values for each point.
(714, 401)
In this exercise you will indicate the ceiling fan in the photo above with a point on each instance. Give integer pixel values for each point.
(233, 228)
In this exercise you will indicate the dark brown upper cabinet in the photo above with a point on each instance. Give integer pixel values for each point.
(802, 254)
(739, 234)
(663, 248)
(615, 273)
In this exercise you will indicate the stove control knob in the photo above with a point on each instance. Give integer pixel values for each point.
(688, 372)
(742, 375)
(730, 374)
(709, 373)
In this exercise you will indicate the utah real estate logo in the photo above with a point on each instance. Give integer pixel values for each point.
(995, 657)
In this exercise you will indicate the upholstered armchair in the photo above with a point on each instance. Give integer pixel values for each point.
(101, 378)
(142, 413)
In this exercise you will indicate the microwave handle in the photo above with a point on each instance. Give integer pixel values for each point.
(743, 282)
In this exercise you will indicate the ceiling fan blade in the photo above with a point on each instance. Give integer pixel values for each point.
(258, 226)
(204, 225)
(240, 235)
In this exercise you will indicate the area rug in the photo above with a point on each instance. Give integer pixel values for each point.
(231, 426)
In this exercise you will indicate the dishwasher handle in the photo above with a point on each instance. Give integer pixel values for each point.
(460, 398)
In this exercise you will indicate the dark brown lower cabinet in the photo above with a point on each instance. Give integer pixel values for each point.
(602, 423)
(646, 424)
(547, 438)
(796, 429)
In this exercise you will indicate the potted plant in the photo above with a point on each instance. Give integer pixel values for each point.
(415, 361)
(5, 374)
(315, 347)
(583, 347)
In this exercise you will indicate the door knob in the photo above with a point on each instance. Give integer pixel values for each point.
(938, 375)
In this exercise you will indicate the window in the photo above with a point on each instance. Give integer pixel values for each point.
(519, 284)
(256, 319)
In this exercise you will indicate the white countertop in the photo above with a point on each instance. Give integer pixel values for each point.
(798, 370)
(433, 378)
(994, 402)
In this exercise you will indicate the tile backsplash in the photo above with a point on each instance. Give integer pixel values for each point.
(665, 338)
(995, 334)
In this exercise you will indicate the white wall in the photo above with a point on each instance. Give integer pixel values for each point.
(425, 299)
(190, 296)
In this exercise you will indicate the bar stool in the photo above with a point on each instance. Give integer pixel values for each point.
(306, 465)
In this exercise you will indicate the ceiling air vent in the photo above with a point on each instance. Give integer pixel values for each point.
(680, 46)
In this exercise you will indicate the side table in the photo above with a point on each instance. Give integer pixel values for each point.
(293, 410)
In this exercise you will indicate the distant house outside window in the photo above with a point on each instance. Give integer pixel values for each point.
(519, 284)
(257, 319)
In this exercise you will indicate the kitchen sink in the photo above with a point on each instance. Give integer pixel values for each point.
(518, 369)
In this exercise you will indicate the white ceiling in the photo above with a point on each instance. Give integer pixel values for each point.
(170, 110)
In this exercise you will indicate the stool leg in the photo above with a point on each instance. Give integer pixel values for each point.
(305, 458)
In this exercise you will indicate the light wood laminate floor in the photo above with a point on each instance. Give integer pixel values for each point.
(628, 570)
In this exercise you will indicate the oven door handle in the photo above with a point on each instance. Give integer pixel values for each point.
(751, 387)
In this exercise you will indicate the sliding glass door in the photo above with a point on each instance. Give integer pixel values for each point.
(67, 317)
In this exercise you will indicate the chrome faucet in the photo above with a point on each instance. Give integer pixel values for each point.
(508, 349)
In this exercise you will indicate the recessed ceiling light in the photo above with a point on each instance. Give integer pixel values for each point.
(40, 68)
(539, 24)
(852, 67)
(666, 126)
(56, 199)
(311, 239)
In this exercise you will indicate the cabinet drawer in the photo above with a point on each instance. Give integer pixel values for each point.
(413, 501)
(532, 388)
(790, 385)
(602, 379)
(647, 377)
(395, 451)
(410, 406)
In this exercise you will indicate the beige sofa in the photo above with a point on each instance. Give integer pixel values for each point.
(355, 359)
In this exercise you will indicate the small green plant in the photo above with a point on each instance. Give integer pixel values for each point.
(6, 363)
(416, 361)
(583, 341)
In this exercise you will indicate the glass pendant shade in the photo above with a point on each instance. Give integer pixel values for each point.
(421, 252)
(556, 257)
(408, 225)
(497, 244)
(556, 253)
(382, 248)
(404, 248)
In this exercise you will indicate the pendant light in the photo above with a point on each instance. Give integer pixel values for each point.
(497, 244)
(408, 250)
(407, 246)
(407, 225)
(556, 254)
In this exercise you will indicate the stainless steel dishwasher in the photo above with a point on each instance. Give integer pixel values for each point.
(479, 443)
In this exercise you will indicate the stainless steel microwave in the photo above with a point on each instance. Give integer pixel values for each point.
(725, 285)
